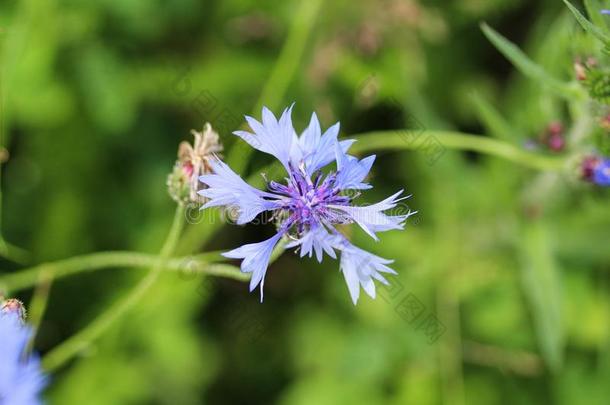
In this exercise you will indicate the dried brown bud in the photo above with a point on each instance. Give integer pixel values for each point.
(193, 161)
(580, 71)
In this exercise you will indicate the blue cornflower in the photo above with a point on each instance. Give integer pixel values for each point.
(596, 170)
(601, 173)
(605, 11)
(21, 379)
(310, 204)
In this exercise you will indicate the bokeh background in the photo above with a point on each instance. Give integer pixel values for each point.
(513, 267)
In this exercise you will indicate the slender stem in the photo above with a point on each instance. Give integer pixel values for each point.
(38, 304)
(2, 142)
(12, 252)
(436, 141)
(81, 340)
(27, 278)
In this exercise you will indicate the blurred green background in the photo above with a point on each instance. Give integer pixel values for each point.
(512, 263)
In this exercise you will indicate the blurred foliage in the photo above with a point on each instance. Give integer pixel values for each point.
(96, 97)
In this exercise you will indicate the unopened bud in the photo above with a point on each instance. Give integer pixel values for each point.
(580, 71)
(553, 137)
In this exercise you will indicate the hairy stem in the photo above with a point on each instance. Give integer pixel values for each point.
(81, 340)
(12, 252)
(27, 278)
(38, 305)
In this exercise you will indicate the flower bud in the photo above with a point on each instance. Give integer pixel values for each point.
(580, 71)
(553, 137)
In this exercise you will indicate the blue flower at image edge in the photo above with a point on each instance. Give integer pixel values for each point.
(601, 173)
(21, 379)
(310, 204)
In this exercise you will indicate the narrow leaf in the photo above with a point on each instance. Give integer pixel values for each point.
(526, 65)
(594, 8)
(588, 25)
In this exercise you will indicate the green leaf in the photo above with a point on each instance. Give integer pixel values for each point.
(540, 280)
(593, 8)
(526, 65)
(494, 123)
(588, 25)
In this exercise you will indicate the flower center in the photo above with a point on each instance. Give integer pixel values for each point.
(308, 200)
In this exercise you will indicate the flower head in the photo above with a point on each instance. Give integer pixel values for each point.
(193, 161)
(310, 203)
(596, 170)
(21, 379)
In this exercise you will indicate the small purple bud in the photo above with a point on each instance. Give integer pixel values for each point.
(553, 137)
(556, 143)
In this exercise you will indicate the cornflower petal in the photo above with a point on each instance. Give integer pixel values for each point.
(351, 171)
(21, 378)
(226, 188)
(371, 217)
(316, 239)
(271, 136)
(360, 268)
(255, 259)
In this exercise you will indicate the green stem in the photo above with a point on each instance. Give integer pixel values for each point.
(81, 340)
(27, 278)
(426, 140)
(12, 252)
(38, 304)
